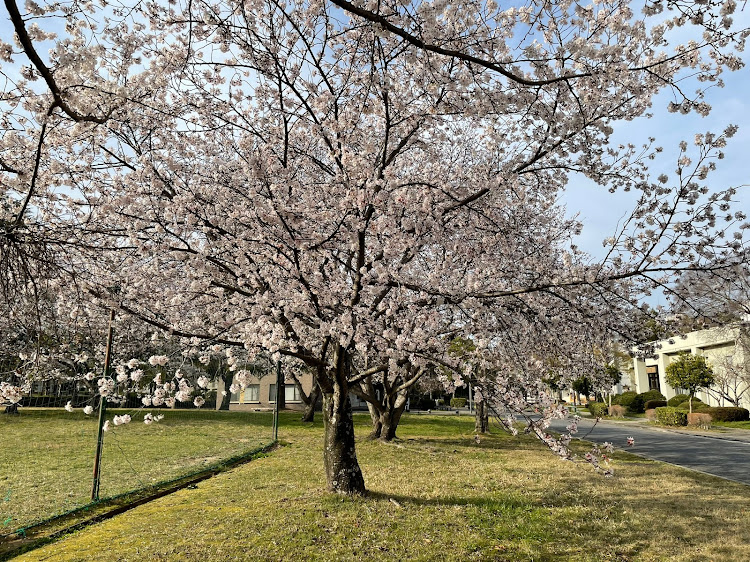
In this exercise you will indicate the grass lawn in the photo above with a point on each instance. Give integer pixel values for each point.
(734, 425)
(46, 457)
(434, 495)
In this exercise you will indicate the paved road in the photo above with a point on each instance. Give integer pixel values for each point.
(720, 456)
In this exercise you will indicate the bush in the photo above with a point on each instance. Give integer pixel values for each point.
(638, 404)
(626, 398)
(458, 402)
(422, 403)
(699, 420)
(677, 400)
(653, 404)
(727, 414)
(597, 409)
(651, 414)
(652, 395)
(697, 403)
(671, 416)
(617, 411)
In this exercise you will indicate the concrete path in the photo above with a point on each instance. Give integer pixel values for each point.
(722, 453)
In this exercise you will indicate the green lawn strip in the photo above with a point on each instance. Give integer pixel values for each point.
(47, 456)
(52, 529)
(435, 495)
(733, 425)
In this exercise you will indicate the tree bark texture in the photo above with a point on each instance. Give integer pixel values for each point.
(482, 417)
(310, 402)
(343, 474)
(377, 425)
(228, 379)
(386, 415)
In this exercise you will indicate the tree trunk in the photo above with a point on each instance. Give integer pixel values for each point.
(482, 418)
(12, 409)
(308, 415)
(377, 424)
(343, 474)
(228, 379)
(389, 421)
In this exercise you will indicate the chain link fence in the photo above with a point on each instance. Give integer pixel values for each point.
(47, 454)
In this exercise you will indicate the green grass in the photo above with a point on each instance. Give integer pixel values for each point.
(434, 495)
(734, 425)
(46, 457)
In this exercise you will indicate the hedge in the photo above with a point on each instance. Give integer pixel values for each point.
(458, 402)
(617, 411)
(700, 420)
(727, 414)
(697, 405)
(653, 404)
(625, 399)
(676, 400)
(671, 416)
(597, 409)
(638, 405)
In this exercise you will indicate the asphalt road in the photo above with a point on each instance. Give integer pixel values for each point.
(718, 456)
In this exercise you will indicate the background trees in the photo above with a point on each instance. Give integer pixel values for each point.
(350, 186)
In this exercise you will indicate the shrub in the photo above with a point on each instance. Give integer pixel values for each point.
(617, 411)
(653, 404)
(651, 414)
(616, 398)
(671, 416)
(652, 395)
(728, 414)
(422, 403)
(699, 420)
(626, 398)
(638, 405)
(697, 403)
(677, 400)
(458, 402)
(597, 409)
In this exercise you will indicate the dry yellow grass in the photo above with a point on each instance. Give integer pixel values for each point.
(435, 495)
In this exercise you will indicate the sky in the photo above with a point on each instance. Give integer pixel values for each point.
(599, 210)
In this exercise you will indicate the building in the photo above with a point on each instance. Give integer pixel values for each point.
(727, 351)
(260, 394)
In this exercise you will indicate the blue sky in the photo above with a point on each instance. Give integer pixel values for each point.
(599, 210)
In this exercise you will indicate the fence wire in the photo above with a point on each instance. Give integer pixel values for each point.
(47, 455)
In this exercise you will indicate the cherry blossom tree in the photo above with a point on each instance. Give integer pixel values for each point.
(348, 184)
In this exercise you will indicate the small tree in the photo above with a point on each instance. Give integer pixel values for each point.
(691, 372)
(582, 387)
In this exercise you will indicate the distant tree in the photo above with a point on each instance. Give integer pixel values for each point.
(703, 300)
(691, 372)
(582, 386)
(732, 373)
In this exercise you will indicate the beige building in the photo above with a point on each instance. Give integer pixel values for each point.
(727, 352)
(260, 394)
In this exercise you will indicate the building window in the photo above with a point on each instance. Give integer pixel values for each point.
(291, 393)
(653, 377)
(234, 396)
(252, 393)
(272, 393)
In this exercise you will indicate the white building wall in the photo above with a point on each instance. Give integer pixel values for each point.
(715, 344)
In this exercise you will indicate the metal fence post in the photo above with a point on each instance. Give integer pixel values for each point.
(279, 388)
(102, 410)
